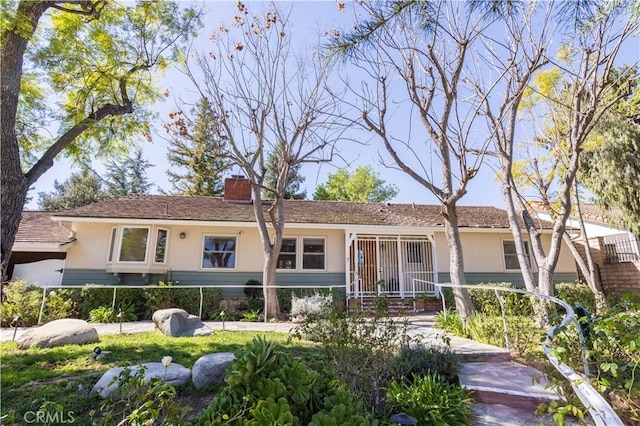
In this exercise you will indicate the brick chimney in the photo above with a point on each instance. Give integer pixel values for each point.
(237, 188)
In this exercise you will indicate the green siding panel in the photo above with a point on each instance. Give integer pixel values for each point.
(510, 277)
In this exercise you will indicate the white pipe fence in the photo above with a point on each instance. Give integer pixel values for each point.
(178, 287)
(598, 408)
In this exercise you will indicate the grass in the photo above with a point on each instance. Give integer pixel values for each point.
(64, 375)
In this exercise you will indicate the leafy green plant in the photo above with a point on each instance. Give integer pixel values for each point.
(20, 300)
(576, 293)
(189, 299)
(251, 316)
(431, 400)
(486, 301)
(266, 386)
(137, 402)
(102, 314)
(358, 349)
(420, 360)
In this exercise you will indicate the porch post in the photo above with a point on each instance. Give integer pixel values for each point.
(400, 267)
(349, 237)
(434, 262)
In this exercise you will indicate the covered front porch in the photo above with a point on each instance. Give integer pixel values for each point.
(400, 266)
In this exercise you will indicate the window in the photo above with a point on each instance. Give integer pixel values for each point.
(510, 255)
(287, 258)
(312, 253)
(161, 246)
(133, 247)
(219, 252)
(112, 244)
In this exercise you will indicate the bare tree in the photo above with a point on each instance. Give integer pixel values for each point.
(422, 57)
(269, 103)
(525, 49)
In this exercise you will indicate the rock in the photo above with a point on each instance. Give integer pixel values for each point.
(175, 375)
(177, 322)
(211, 369)
(60, 332)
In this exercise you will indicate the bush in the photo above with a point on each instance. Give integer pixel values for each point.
(21, 300)
(420, 360)
(266, 386)
(358, 350)
(253, 292)
(189, 299)
(94, 296)
(431, 400)
(106, 314)
(577, 293)
(311, 305)
(485, 301)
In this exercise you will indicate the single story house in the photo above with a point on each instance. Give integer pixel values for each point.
(371, 248)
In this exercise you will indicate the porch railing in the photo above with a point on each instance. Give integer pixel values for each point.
(175, 287)
(598, 408)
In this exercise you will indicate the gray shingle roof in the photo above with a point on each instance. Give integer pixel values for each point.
(172, 207)
(37, 227)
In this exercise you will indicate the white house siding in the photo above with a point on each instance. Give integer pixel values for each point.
(92, 247)
(483, 253)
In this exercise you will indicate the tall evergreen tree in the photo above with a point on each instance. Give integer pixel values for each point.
(128, 177)
(196, 150)
(294, 179)
(80, 189)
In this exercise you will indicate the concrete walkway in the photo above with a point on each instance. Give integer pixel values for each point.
(486, 369)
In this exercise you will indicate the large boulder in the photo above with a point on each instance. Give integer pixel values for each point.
(174, 375)
(177, 322)
(60, 332)
(211, 369)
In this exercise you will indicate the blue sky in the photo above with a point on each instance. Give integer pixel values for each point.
(310, 19)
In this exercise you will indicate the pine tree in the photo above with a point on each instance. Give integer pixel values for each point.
(196, 151)
(128, 177)
(294, 180)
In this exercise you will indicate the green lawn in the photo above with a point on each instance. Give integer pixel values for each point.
(64, 375)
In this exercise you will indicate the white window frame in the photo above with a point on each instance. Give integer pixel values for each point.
(166, 245)
(146, 250)
(324, 253)
(504, 258)
(235, 264)
(296, 267)
(111, 250)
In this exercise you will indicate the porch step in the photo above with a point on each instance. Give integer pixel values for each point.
(396, 305)
(506, 383)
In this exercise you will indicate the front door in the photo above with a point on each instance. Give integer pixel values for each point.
(391, 265)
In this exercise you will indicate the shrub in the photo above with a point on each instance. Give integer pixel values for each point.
(431, 400)
(106, 314)
(311, 305)
(21, 300)
(61, 303)
(420, 360)
(485, 301)
(266, 386)
(358, 349)
(253, 292)
(189, 299)
(94, 296)
(576, 293)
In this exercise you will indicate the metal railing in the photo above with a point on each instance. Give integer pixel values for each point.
(621, 250)
(598, 408)
(175, 287)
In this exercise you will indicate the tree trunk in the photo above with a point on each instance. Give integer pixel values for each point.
(272, 305)
(456, 264)
(14, 195)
